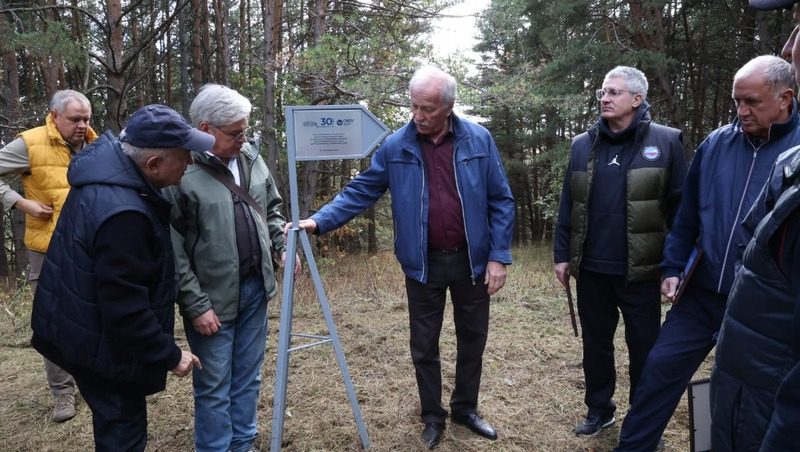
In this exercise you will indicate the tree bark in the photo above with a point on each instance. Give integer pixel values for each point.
(116, 79)
(307, 176)
(200, 41)
(9, 84)
(185, 41)
(51, 64)
(222, 61)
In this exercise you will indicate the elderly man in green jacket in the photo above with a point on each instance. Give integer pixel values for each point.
(227, 226)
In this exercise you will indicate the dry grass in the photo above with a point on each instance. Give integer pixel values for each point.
(531, 389)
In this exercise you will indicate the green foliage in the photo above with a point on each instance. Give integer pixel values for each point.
(54, 41)
(544, 59)
(366, 54)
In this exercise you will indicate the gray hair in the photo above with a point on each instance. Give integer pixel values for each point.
(635, 80)
(426, 74)
(140, 155)
(219, 105)
(777, 72)
(63, 97)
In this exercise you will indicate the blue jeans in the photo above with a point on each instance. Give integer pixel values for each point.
(226, 389)
(687, 336)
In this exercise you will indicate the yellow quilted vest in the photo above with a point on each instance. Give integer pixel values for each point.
(46, 181)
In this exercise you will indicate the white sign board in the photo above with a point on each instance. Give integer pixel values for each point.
(333, 131)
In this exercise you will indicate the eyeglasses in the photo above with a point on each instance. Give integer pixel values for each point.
(612, 92)
(236, 136)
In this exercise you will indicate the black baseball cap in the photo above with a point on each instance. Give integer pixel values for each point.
(772, 4)
(158, 126)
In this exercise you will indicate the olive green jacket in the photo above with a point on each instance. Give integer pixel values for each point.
(204, 234)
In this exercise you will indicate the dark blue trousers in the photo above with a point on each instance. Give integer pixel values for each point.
(119, 419)
(601, 298)
(687, 336)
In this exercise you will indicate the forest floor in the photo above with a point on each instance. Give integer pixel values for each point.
(531, 391)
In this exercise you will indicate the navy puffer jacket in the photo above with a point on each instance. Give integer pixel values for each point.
(754, 352)
(73, 326)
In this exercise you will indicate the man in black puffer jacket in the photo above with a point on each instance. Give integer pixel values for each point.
(104, 309)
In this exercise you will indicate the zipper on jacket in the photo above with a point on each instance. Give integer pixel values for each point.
(464, 216)
(738, 211)
(422, 236)
(590, 179)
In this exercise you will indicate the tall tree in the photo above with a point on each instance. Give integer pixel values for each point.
(222, 60)
(271, 13)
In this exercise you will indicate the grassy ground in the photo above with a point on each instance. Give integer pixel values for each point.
(532, 387)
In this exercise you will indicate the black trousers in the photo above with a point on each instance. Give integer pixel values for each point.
(119, 419)
(471, 316)
(601, 298)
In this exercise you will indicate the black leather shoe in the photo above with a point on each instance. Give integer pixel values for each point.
(432, 433)
(477, 424)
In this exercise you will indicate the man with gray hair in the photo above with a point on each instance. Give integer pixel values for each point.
(704, 245)
(620, 193)
(105, 306)
(453, 215)
(227, 228)
(40, 156)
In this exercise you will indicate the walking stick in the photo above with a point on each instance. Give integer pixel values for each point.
(571, 309)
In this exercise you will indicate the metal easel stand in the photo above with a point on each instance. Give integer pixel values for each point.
(285, 337)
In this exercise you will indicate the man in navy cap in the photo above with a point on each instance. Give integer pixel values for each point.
(755, 386)
(104, 308)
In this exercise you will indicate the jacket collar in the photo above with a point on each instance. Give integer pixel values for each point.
(791, 172)
(638, 126)
(410, 133)
(247, 152)
(245, 159)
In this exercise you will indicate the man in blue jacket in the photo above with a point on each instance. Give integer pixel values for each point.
(105, 306)
(453, 215)
(755, 386)
(726, 175)
(620, 193)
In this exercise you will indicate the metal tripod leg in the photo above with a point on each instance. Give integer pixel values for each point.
(284, 343)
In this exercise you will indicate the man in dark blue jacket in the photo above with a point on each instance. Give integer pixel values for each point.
(453, 216)
(726, 175)
(104, 308)
(755, 386)
(620, 192)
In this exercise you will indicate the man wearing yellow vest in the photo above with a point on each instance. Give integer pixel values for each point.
(41, 156)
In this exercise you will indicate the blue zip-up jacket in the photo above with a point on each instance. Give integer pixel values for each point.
(725, 178)
(486, 200)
